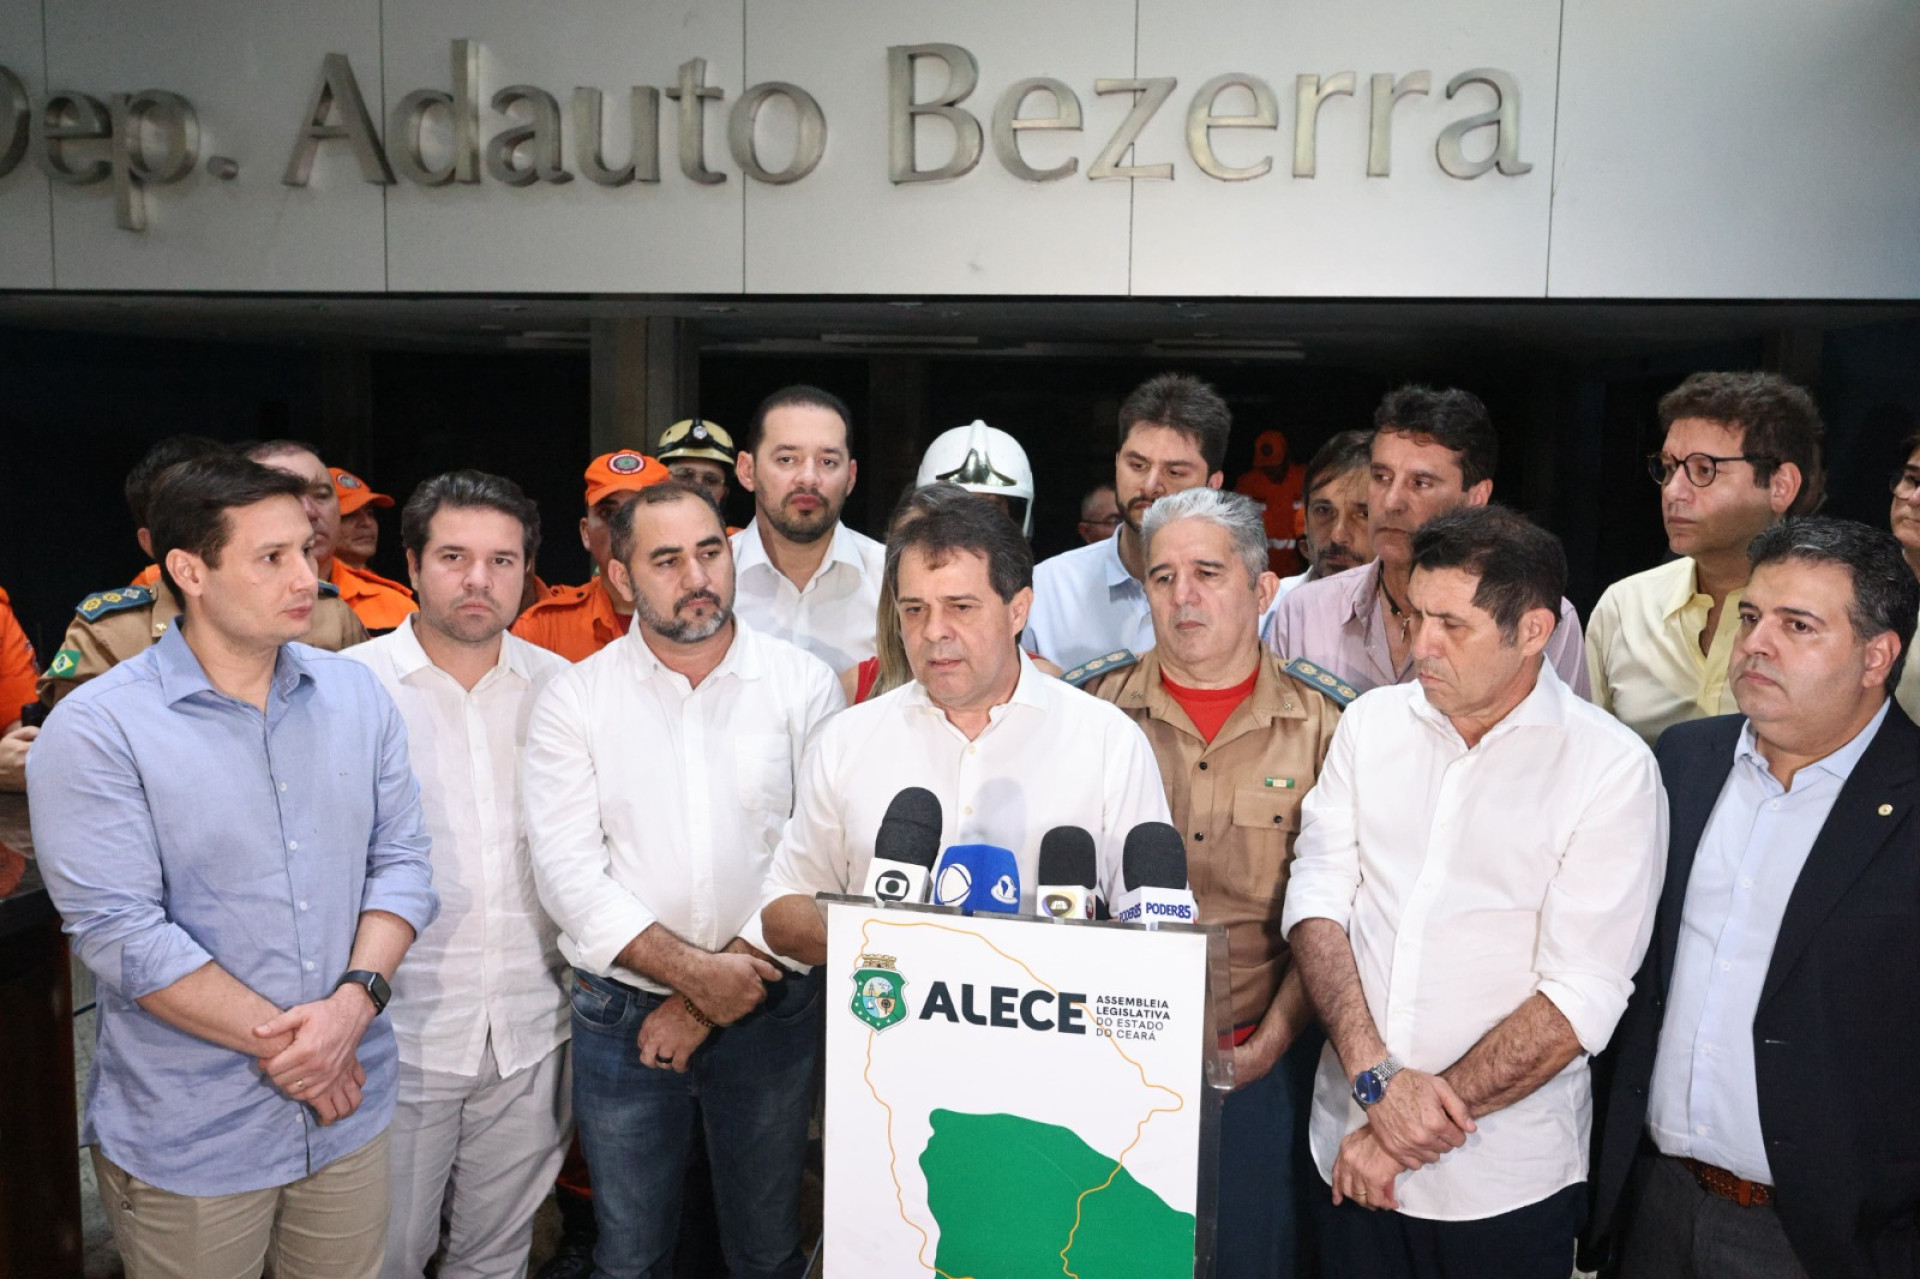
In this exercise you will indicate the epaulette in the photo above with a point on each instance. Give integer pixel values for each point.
(1087, 672)
(328, 591)
(1338, 691)
(118, 600)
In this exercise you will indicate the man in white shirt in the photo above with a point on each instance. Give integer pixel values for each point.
(1088, 602)
(1010, 753)
(480, 1009)
(1473, 888)
(659, 772)
(803, 575)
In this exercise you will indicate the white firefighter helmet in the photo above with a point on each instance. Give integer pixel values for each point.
(985, 460)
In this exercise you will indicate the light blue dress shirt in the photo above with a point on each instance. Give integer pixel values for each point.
(1086, 605)
(177, 826)
(1704, 1103)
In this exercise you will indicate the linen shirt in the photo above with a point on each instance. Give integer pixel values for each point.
(1704, 1102)
(490, 966)
(177, 827)
(834, 618)
(1050, 756)
(1336, 623)
(1468, 881)
(652, 801)
(1236, 801)
(1643, 650)
(1086, 605)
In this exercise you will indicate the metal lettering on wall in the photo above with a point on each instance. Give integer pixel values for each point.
(151, 138)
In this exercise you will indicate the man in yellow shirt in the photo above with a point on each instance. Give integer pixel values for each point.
(1741, 451)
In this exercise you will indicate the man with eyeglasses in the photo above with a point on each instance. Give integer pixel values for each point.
(1741, 452)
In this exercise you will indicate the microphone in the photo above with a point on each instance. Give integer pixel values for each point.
(905, 847)
(978, 877)
(1067, 874)
(1153, 866)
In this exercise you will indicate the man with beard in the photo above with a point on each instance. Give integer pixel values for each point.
(659, 773)
(804, 576)
(1334, 536)
(481, 1014)
(1088, 604)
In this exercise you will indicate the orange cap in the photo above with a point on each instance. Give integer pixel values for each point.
(354, 492)
(1269, 447)
(625, 471)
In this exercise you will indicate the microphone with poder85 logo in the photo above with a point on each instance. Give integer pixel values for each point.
(1067, 874)
(977, 877)
(905, 847)
(1153, 867)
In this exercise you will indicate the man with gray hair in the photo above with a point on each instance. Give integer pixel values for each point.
(1239, 739)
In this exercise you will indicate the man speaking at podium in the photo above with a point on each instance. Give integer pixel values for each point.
(1010, 753)
(1240, 740)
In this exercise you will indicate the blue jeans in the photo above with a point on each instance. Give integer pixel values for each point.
(751, 1088)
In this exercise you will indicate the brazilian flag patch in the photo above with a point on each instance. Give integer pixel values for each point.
(64, 663)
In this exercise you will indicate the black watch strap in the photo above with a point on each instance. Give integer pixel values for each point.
(373, 983)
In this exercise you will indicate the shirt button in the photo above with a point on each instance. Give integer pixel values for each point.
(1746, 883)
(1200, 836)
(968, 810)
(308, 965)
(1775, 806)
(1203, 765)
(283, 786)
(973, 750)
(1700, 1129)
(1725, 967)
(303, 905)
(293, 845)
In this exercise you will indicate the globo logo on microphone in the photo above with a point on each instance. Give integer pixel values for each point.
(892, 886)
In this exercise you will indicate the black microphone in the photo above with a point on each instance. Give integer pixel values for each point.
(1067, 874)
(1153, 868)
(905, 847)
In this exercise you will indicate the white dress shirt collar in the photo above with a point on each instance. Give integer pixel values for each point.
(743, 659)
(410, 657)
(750, 551)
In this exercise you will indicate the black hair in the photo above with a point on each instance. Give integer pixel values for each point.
(168, 452)
(1778, 422)
(468, 490)
(980, 528)
(1346, 452)
(1520, 565)
(788, 397)
(1451, 418)
(620, 523)
(187, 509)
(1886, 596)
(1181, 402)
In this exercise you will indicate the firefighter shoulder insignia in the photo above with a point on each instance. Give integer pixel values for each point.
(118, 600)
(328, 591)
(1337, 690)
(1087, 672)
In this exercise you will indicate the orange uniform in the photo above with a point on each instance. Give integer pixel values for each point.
(573, 621)
(380, 602)
(148, 576)
(17, 672)
(1282, 499)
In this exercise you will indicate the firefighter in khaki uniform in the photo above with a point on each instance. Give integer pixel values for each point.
(112, 625)
(578, 621)
(1239, 737)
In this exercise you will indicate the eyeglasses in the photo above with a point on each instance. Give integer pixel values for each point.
(1106, 520)
(1701, 468)
(1904, 485)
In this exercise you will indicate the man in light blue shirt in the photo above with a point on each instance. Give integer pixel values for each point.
(231, 830)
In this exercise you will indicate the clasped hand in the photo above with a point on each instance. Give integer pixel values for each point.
(319, 1066)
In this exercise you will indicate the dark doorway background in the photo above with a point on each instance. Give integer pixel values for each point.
(78, 408)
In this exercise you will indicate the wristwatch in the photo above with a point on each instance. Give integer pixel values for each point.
(373, 983)
(1370, 1085)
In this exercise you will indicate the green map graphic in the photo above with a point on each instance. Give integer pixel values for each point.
(1004, 1188)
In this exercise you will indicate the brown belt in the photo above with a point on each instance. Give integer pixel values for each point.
(1718, 1181)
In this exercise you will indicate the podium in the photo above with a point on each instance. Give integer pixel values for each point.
(1011, 1097)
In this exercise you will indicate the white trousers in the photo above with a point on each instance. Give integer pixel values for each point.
(481, 1149)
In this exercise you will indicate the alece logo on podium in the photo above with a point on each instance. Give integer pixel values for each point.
(879, 997)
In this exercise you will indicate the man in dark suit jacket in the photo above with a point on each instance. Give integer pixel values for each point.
(1760, 1118)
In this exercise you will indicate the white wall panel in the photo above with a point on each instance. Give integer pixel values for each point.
(667, 237)
(1722, 148)
(26, 235)
(1417, 232)
(248, 69)
(846, 228)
